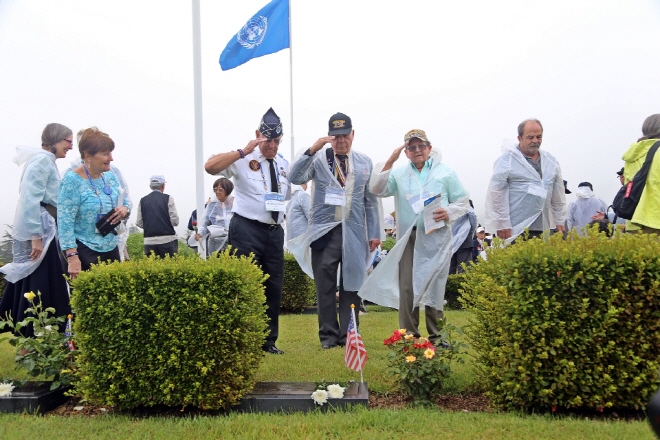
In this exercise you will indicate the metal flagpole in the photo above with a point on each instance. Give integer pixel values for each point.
(291, 76)
(199, 143)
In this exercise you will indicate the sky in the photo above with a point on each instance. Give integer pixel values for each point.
(465, 72)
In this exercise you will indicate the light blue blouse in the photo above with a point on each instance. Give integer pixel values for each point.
(77, 207)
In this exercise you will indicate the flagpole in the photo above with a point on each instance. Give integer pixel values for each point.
(199, 144)
(291, 77)
(357, 346)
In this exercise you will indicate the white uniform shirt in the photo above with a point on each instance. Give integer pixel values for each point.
(251, 177)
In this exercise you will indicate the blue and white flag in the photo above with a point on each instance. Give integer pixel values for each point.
(265, 33)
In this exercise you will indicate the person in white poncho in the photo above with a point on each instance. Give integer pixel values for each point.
(416, 269)
(37, 265)
(585, 208)
(344, 225)
(526, 189)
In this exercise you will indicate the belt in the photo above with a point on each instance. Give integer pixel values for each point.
(269, 226)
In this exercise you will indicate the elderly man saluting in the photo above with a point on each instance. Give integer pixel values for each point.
(344, 226)
(526, 189)
(261, 187)
(416, 269)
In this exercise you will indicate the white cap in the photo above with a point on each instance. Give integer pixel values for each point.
(480, 229)
(157, 178)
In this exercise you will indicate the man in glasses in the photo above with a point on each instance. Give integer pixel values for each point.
(261, 187)
(416, 269)
(344, 226)
(526, 190)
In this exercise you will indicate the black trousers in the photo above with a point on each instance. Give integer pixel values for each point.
(89, 256)
(325, 264)
(161, 250)
(267, 243)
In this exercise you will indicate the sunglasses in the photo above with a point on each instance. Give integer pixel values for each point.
(413, 148)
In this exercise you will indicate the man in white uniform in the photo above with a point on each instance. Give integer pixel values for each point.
(261, 185)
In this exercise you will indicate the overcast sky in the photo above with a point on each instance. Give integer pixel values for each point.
(465, 72)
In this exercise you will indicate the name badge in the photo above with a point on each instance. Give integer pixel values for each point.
(537, 190)
(274, 202)
(417, 202)
(334, 196)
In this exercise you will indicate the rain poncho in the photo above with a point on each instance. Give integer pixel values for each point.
(647, 212)
(216, 220)
(297, 214)
(517, 195)
(360, 217)
(583, 208)
(40, 182)
(463, 228)
(433, 252)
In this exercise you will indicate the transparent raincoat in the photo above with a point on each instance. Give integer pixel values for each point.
(432, 253)
(462, 228)
(359, 217)
(215, 223)
(40, 182)
(297, 213)
(585, 206)
(517, 195)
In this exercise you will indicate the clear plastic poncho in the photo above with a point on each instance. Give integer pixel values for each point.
(463, 228)
(359, 217)
(215, 223)
(583, 208)
(40, 182)
(297, 214)
(432, 252)
(517, 195)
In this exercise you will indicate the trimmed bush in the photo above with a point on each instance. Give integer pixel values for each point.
(135, 246)
(176, 331)
(298, 291)
(569, 324)
(452, 291)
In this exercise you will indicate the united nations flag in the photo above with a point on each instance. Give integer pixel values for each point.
(265, 33)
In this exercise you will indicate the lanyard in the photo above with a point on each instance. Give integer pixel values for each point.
(106, 189)
(279, 186)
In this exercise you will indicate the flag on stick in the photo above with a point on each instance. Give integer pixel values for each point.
(356, 354)
(265, 32)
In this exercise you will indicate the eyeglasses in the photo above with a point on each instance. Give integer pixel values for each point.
(218, 189)
(276, 141)
(413, 148)
(70, 142)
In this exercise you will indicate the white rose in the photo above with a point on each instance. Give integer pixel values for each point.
(6, 389)
(335, 391)
(320, 397)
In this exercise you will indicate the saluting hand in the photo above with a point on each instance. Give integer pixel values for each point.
(394, 157)
(249, 148)
(320, 143)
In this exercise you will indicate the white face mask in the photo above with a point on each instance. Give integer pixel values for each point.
(584, 192)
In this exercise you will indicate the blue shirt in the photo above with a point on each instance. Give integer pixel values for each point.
(77, 207)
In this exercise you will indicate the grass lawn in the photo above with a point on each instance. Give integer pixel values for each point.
(305, 361)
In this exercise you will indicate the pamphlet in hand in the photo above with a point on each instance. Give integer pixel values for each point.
(430, 205)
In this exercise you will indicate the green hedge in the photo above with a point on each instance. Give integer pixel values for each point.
(453, 291)
(176, 331)
(388, 244)
(135, 245)
(298, 291)
(572, 324)
(3, 282)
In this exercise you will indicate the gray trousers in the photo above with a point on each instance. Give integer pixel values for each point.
(409, 318)
(325, 264)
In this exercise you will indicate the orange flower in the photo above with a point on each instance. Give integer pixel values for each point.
(411, 358)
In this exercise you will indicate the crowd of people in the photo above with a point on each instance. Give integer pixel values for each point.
(63, 225)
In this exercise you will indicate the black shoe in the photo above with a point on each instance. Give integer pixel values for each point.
(273, 350)
(328, 347)
(443, 344)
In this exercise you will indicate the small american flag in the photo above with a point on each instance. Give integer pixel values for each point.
(356, 354)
